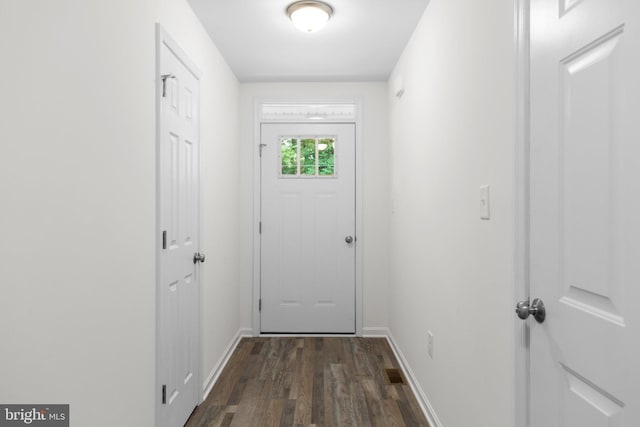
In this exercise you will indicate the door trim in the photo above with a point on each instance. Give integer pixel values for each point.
(521, 387)
(257, 122)
(164, 39)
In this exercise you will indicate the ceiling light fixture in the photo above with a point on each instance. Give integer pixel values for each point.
(309, 16)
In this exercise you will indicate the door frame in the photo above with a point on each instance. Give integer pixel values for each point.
(258, 120)
(164, 39)
(521, 386)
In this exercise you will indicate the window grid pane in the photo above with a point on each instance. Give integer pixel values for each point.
(326, 154)
(308, 157)
(289, 156)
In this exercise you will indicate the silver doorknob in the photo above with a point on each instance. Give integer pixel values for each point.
(349, 239)
(198, 257)
(524, 310)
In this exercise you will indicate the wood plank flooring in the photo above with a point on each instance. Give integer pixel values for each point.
(310, 382)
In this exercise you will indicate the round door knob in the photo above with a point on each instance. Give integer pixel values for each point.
(524, 310)
(349, 239)
(198, 257)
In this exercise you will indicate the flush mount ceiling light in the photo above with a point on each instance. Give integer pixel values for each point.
(309, 16)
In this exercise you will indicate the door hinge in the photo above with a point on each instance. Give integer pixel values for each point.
(164, 239)
(164, 394)
(261, 146)
(260, 227)
(164, 78)
(260, 304)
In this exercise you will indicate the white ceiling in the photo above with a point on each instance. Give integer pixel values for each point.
(362, 42)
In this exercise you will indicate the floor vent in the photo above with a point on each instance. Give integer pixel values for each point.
(394, 376)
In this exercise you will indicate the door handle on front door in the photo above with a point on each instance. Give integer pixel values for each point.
(349, 240)
(524, 310)
(198, 257)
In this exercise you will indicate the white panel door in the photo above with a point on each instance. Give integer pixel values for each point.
(308, 225)
(178, 298)
(585, 212)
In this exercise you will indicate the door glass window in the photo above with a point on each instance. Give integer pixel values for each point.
(289, 156)
(326, 156)
(307, 157)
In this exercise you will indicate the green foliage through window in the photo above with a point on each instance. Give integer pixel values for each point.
(289, 155)
(307, 156)
(326, 156)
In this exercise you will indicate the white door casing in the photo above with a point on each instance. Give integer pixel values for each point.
(584, 210)
(178, 347)
(307, 267)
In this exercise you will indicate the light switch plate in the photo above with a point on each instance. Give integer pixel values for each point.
(484, 202)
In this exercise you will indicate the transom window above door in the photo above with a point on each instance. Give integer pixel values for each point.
(307, 157)
(308, 112)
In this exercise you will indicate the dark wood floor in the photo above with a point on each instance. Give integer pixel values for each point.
(320, 382)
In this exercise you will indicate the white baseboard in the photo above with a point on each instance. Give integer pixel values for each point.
(424, 403)
(217, 369)
(375, 332)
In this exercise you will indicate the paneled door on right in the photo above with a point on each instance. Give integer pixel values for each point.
(585, 212)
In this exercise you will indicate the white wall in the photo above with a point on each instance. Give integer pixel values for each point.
(375, 192)
(77, 186)
(451, 272)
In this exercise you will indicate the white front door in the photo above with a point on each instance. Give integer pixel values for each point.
(178, 287)
(308, 227)
(585, 212)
